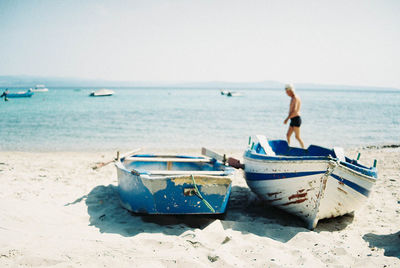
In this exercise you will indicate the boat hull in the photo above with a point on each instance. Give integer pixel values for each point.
(172, 194)
(40, 88)
(20, 95)
(346, 191)
(310, 189)
(102, 93)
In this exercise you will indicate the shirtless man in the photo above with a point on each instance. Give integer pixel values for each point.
(294, 115)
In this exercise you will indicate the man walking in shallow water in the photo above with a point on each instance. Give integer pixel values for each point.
(294, 115)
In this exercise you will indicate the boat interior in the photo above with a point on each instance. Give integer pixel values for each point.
(175, 164)
(281, 148)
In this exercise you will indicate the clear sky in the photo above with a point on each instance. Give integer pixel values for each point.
(351, 42)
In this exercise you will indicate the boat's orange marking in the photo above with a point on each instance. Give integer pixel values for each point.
(298, 201)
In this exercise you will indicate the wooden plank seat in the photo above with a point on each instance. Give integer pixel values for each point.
(185, 172)
(167, 159)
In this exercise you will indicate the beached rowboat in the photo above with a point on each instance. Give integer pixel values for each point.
(313, 183)
(173, 184)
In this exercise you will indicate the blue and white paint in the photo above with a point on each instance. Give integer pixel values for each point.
(20, 94)
(313, 183)
(172, 184)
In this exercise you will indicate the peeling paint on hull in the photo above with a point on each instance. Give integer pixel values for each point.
(172, 194)
(311, 190)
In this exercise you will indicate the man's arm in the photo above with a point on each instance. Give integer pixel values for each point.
(291, 110)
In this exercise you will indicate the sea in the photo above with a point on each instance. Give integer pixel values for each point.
(167, 118)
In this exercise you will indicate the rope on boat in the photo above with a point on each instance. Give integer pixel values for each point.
(331, 167)
(198, 194)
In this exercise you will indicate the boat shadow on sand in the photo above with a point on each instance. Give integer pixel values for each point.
(390, 243)
(245, 213)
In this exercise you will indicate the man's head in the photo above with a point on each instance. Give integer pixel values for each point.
(289, 90)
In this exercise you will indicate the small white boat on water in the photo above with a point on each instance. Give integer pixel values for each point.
(101, 93)
(233, 94)
(229, 93)
(40, 88)
(313, 183)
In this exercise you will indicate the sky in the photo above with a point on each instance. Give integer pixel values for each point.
(341, 42)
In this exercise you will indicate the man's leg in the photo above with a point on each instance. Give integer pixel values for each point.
(288, 134)
(297, 135)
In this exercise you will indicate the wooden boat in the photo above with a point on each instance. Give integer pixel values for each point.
(313, 183)
(101, 93)
(20, 94)
(173, 184)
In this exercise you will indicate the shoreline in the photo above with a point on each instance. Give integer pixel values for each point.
(189, 149)
(58, 211)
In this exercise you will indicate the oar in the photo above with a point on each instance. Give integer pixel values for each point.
(212, 154)
(102, 164)
(233, 162)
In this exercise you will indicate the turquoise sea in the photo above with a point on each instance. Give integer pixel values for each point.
(67, 119)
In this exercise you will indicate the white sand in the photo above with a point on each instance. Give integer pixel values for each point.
(56, 211)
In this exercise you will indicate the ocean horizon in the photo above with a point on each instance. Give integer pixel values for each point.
(162, 118)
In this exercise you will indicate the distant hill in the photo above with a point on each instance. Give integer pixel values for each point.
(25, 81)
(30, 81)
(230, 85)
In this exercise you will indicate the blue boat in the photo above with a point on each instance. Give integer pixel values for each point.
(313, 183)
(173, 184)
(20, 94)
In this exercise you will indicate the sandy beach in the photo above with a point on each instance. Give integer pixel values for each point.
(57, 211)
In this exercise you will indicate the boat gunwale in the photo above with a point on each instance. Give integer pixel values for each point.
(222, 179)
(369, 172)
(262, 158)
(363, 177)
(372, 179)
(226, 172)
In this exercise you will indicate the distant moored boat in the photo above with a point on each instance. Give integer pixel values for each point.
(101, 93)
(40, 88)
(229, 93)
(20, 94)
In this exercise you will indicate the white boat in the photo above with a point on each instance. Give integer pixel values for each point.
(229, 93)
(101, 93)
(40, 88)
(313, 183)
(233, 94)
